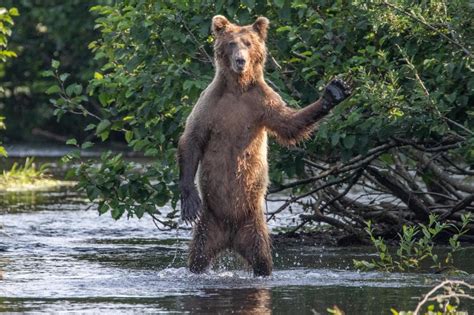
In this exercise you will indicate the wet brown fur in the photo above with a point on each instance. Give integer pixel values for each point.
(226, 136)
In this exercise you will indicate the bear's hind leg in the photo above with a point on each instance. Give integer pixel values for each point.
(208, 241)
(253, 242)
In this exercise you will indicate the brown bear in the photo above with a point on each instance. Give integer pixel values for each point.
(225, 142)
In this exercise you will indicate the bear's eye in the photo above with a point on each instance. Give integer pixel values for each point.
(247, 43)
(232, 44)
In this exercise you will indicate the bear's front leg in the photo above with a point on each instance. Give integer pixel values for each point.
(291, 126)
(191, 204)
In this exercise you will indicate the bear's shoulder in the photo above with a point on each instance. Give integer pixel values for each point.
(269, 95)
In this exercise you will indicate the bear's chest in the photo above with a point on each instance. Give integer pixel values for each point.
(234, 116)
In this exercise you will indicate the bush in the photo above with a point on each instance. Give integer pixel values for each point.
(416, 250)
(45, 30)
(410, 113)
(6, 24)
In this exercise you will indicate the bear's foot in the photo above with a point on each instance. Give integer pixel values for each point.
(262, 270)
(198, 263)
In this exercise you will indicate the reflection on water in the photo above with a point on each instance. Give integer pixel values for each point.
(220, 301)
(57, 256)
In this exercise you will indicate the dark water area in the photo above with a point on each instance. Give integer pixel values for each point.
(58, 255)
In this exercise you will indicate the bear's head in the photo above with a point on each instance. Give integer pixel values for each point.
(240, 49)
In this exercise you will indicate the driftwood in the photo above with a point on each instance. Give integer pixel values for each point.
(48, 135)
(346, 195)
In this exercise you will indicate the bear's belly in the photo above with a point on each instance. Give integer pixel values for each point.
(233, 179)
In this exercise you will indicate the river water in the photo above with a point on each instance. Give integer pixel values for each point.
(58, 255)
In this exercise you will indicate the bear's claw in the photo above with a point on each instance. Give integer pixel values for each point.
(336, 91)
(191, 205)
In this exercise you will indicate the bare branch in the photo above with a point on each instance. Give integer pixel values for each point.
(353, 181)
(458, 207)
(296, 198)
(401, 192)
(440, 173)
(443, 284)
(355, 163)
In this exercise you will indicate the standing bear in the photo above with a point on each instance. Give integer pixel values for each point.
(225, 142)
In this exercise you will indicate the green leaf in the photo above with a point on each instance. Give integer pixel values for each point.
(103, 208)
(394, 311)
(128, 136)
(349, 142)
(3, 152)
(104, 99)
(71, 142)
(87, 145)
(90, 127)
(92, 192)
(335, 139)
(139, 211)
(249, 3)
(78, 89)
(70, 89)
(64, 76)
(53, 89)
(13, 12)
(74, 89)
(98, 76)
(104, 135)
(102, 126)
(283, 29)
(47, 73)
(55, 64)
(117, 213)
(279, 3)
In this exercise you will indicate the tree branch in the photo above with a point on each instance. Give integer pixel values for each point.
(412, 202)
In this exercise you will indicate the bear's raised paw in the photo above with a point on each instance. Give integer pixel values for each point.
(336, 91)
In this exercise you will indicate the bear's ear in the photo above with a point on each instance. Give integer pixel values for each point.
(219, 23)
(261, 26)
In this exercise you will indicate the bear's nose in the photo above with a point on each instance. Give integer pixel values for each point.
(240, 62)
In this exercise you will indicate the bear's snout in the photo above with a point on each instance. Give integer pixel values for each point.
(240, 62)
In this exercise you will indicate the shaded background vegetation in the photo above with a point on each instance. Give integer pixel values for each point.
(400, 149)
(44, 30)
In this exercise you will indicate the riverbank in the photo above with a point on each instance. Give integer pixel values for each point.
(29, 177)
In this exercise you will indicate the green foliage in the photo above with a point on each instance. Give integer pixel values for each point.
(45, 29)
(443, 299)
(6, 24)
(431, 310)
(124, 187)
(27, 177)
(334, 310)
(27, 172)
(3, 152)
(156, 59)
(416, 248)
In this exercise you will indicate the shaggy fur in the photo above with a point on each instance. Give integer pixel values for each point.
(226, 136)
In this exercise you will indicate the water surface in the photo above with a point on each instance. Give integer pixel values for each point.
(58, 255)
